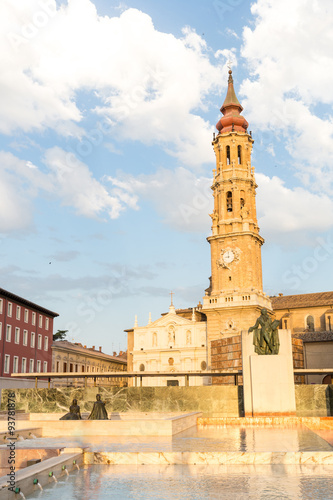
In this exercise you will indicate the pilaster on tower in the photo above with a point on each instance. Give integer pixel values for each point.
(235, 296)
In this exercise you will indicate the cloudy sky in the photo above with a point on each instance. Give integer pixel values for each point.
(107, 112)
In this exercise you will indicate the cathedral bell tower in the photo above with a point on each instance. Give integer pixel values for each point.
(233, 301)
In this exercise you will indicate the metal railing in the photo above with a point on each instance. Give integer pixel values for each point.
(138, 376)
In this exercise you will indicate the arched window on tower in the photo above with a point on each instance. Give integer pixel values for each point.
(229, 201)
(228, 155)
(310, 323)
(239, 149)
(242, 202)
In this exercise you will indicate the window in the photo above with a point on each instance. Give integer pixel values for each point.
(9, 310)
(31, 366)
(229, 201)
(40, 339)
(40, 321)
(17, 335)
(242, 203)
(39, 366)
(0, 330)
(32, 340)
(8, 333)
(46, 323)
(25, 337)
(239, 151)
(58, 367)
(7, 363)
(310, 323)
(46, 343)
(33, 318)
(65, 367)
(228, 155)
(329, 325)
(26, 315)
(1, 306)
(24, 365)
(45, 367)
(18, 312)
(15, 364)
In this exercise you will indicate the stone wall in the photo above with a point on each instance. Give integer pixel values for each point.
(212, 401)
(314, 400)
(226, 355)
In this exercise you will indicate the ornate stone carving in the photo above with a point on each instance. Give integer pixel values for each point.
(228, 255)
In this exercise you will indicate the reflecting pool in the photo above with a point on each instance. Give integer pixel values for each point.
(264, 482)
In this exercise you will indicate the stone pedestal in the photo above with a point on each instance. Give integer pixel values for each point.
(268, 380)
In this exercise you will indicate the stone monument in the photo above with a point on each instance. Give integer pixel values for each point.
(268, 375)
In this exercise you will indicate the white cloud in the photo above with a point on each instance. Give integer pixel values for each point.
(73, 182)
(184, 201)
(290, 54)
(283, 211)
(151, 84)
(182, 198)
(63, 177)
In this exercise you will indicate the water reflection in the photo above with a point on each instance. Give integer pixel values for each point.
(263, 482)
(214, 438)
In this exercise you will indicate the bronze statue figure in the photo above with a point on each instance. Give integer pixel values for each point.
(265, 334)
(98, 412)
(74, 412)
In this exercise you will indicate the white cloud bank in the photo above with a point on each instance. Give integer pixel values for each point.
(63, 177)
(290, 55)
(149, 84)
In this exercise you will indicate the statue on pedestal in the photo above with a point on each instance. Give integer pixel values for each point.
(265, 334)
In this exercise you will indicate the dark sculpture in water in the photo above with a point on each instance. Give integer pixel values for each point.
(265, 334)
(98, 412)
(74, 412)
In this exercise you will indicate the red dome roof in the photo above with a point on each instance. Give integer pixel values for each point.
(231, 109)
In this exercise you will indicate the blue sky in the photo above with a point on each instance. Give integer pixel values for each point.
(107, 112)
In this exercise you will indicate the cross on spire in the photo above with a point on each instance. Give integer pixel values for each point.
(171, 293)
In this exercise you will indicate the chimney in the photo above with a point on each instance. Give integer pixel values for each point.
(280, 294)
(85, 346)
(100, 348)
(114, 353)
(93, 347)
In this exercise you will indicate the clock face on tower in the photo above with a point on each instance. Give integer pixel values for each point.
(228, 256)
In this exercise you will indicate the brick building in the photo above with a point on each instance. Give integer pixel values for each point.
(26, 335)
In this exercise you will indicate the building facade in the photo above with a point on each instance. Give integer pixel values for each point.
(176, 342)
(235, 295)
(74, 357)
(26, 335)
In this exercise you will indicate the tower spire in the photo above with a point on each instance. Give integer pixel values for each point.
(231, 109)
